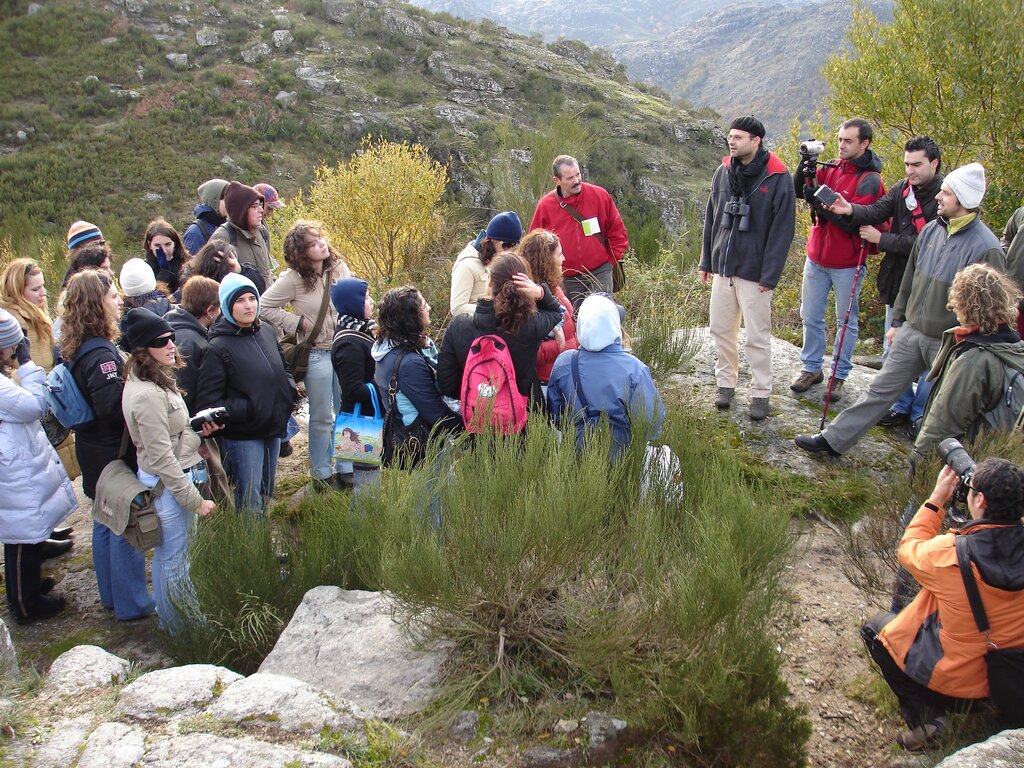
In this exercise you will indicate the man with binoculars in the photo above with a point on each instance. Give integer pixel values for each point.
(932, 654)
(748, 229)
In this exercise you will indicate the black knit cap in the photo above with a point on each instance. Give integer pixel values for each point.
(141, 326)
(750, 124)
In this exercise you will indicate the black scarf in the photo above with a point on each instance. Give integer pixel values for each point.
(742, 178)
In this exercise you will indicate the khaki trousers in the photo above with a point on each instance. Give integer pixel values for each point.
(734, 300)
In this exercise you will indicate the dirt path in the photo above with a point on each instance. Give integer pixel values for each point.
(824, 658)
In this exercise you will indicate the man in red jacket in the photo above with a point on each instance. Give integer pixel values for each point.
(589, 227)
(834, 251)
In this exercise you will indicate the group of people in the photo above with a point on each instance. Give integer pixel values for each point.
(201, 322)
(952, 293)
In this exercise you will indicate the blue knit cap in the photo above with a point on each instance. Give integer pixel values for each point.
(505, 227)
(349, 297)
(231, 287)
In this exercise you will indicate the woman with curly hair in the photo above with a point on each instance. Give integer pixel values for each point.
(404, 349)
(168, 451)
(542, 250)
(968, 369)
(518, 310)
(23, 294)
(92, 311)
(304, 287)
(165, 253)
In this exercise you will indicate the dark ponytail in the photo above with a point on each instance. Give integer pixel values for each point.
(511, 305)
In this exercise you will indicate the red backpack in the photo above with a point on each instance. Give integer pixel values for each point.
(490, 397)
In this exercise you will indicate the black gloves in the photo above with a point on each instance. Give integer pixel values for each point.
(22, 352)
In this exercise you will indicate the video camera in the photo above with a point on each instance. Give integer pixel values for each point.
(216, 415)
(959, 460)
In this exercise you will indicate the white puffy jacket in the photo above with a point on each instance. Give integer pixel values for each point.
(35, 492)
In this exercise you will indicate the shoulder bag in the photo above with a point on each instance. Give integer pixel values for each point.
(618, 271)
(125, 505)
(1005, 665)
(296, 353)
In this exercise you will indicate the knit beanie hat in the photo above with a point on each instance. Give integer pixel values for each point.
(270, 196)
(968, 184)
(10, 330)
(137, 278)
(210, 192)
(237, 200)
(231, 288)
(349, 297)
(82, 232)
(505, 227)
(140, 327)
(750, 124)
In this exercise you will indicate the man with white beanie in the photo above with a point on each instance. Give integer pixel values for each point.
(956, 239)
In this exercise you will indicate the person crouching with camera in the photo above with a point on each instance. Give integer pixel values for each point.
(931, 653)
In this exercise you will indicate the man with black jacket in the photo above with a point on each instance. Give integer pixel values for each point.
(748, 229)
(910, 204)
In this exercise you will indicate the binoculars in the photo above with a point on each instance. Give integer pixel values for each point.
(737, 206)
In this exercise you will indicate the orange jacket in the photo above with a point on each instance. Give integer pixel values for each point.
(934, 639)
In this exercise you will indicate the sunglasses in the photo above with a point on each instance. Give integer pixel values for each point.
(161, 342)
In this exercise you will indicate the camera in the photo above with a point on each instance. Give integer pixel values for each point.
(825, 195)
(960, 461)
(812, 148)
(215, 415)
(737, 206)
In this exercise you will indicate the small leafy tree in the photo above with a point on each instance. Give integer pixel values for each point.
(914, 76)
(382, 209)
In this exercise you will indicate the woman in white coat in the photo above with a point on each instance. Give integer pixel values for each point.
(35, 492)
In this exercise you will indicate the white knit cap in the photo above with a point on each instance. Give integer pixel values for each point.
(968, 184)
(137, 278)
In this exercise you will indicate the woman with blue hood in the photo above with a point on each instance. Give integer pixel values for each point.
(244, 371)
(602, 378)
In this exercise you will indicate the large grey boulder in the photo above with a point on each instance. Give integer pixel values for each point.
(174, 692)
(82, 668)
(204, 750)
(64, 743)
(113, 745)
(348, 644)
(208, 37)
(1004, 750)
(284, 704)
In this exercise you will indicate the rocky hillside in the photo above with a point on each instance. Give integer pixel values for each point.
(754, 58)
(114, 112)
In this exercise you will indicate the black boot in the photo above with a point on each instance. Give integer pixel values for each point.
(22, 563)
(50, 548)
(62, 534)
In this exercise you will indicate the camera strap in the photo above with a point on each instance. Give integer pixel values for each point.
(579, 218)
(916, 213)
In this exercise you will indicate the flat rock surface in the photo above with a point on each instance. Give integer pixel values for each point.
(176, 691)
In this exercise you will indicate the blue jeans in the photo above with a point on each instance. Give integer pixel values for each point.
(251, 466)
(913, 402)
(120, 575)
(817, 283)
(324, 394)
(171, 583)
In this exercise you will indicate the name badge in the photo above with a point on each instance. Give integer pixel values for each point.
(590, 226)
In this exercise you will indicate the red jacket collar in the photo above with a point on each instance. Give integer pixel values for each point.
(774, 164)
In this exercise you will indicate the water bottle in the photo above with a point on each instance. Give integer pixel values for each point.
(200, 474)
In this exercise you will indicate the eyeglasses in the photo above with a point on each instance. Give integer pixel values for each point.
(161, 341)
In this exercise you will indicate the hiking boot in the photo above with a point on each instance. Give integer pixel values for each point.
(815, 444)
(893, 419)
(759, 408)
(837, 391)
(50, 548)
(45, 608)
(923, 737)
(285, 450)
(724, 397)
(806, 380)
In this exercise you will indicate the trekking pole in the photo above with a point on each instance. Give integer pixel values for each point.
(838, 349)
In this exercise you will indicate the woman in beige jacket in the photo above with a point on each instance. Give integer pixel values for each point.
(313, 266)
(168, 452)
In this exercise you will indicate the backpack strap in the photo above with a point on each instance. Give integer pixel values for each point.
(574, 368)
(963, 559)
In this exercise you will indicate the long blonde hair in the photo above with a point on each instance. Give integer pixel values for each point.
(12, 297)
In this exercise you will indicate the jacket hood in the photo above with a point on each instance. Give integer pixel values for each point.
(181, 319)
(470, 251)
(598, 324)
(869, 161)
(380, 349)
(998, 552)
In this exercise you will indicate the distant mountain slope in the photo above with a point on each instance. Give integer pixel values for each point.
(598, 22)
(748, 59)
(114, 113)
